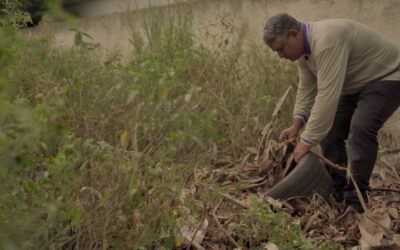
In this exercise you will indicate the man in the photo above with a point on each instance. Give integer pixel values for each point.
(349, 85)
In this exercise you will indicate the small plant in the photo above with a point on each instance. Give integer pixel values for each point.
(262, 224)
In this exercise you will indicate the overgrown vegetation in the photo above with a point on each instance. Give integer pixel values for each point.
(94, 153)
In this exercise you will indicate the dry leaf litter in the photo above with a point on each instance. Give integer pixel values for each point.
(320, 221)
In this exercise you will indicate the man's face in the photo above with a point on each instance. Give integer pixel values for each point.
(289, 47)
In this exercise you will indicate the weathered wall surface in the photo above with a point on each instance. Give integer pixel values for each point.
(105, 22)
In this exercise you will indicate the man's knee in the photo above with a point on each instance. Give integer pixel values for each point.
(362, 130)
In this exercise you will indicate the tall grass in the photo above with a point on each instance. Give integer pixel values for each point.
(94, 153)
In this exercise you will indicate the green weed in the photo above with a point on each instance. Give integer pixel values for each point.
(260, 219)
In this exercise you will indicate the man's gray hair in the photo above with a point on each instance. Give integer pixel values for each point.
(279, 25)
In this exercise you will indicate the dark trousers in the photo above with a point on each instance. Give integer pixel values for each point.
(358, 120)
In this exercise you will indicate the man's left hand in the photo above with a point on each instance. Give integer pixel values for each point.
(300, 150)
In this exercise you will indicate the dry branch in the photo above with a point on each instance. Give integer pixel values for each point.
(235, 201)
(221, 228)
(266, 133)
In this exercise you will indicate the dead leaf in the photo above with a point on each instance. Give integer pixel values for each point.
(382, 217)
(393, 212)
(273, 202)
(271, 246)
(252, 150)
(369, 238)
(396, 239)
(193, 231)
(371, 233)
(136, 217)
(123, 139)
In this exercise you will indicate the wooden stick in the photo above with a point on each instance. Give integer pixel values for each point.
(360, 197)
(329, 163)
(310, 221)
(194, 243)
(233, 200)
(267, 129)
(222, 229)
(194, 235)
(254, 185)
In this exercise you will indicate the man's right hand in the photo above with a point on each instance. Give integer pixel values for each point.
(293, 131)
(289, 133)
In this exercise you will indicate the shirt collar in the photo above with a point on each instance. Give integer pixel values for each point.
(307, 49)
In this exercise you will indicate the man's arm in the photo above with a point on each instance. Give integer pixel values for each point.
(306, 92)
(331, 72)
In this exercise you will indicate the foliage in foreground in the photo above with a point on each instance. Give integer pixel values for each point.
(95, 153)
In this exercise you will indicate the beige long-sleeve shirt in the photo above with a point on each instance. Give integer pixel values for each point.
(345, 56)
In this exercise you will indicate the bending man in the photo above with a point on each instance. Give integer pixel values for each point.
(349, 85)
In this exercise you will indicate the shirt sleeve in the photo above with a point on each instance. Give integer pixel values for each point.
(306, 91)
(331, 72)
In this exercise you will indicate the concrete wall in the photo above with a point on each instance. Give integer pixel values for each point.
(104, 19)
(94, 8)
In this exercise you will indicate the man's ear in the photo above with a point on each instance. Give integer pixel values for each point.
(293, 32)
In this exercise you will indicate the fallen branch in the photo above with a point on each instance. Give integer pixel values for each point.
(194, 235)
(310, 221)
(254, 185)
(360, 197)
(266, 133)
(222, 229)
(194, 243)
(329, 163)
(348, 210)
(235, 201)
